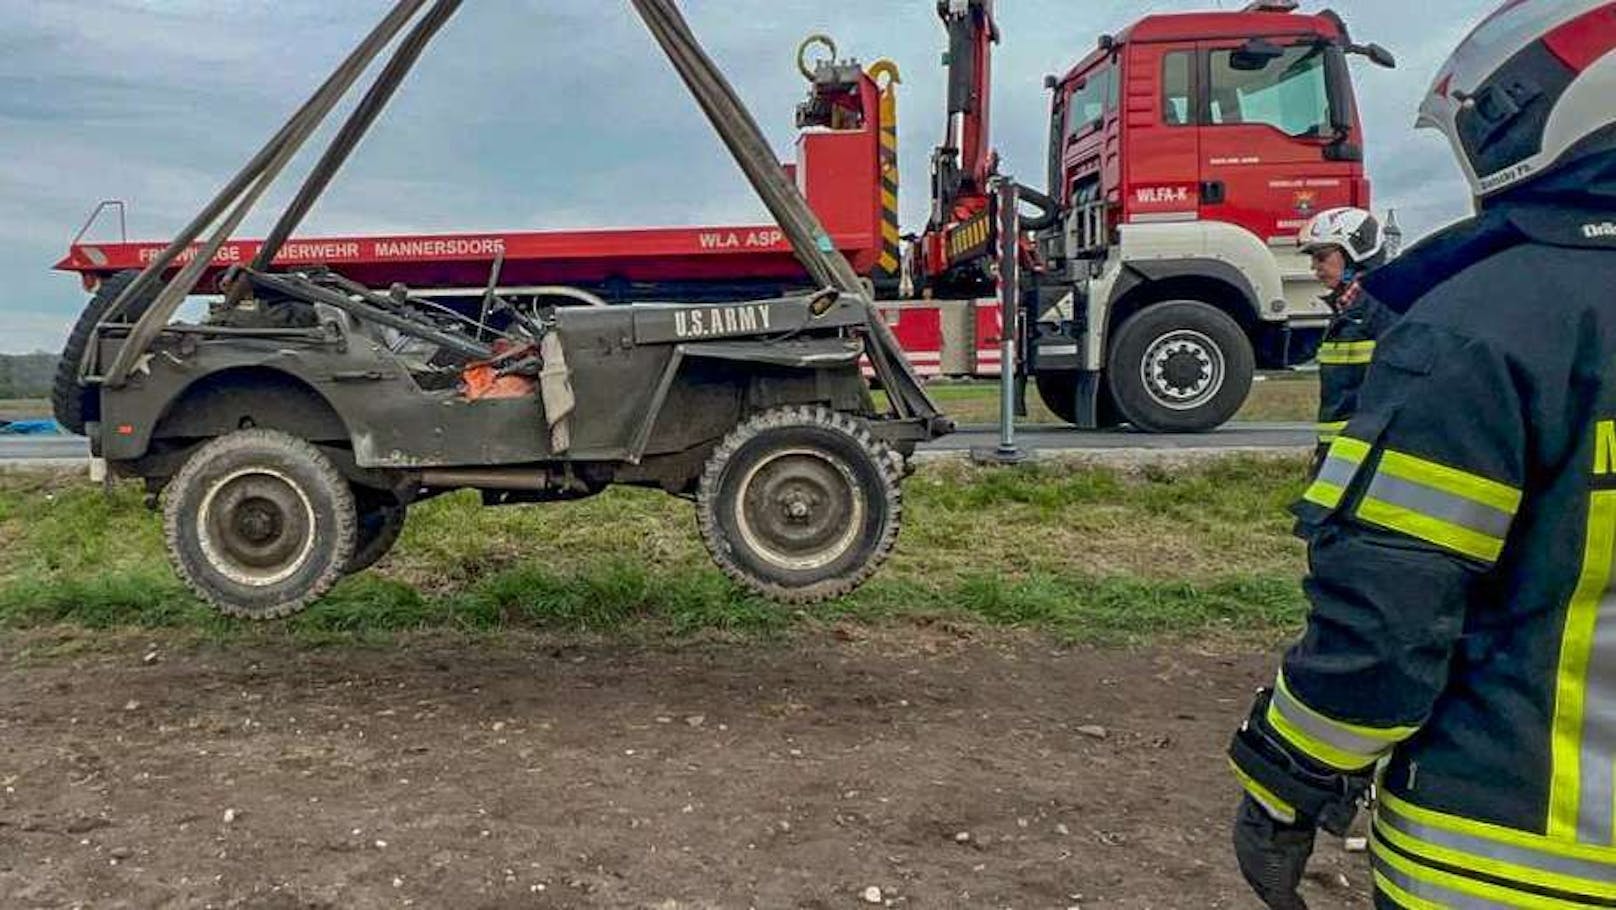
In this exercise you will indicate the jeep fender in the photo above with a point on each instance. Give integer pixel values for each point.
(809, 357)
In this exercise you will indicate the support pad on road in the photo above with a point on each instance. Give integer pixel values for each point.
(1001, 457)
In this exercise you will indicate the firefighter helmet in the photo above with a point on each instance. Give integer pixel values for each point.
(1528, 91)
(1354, 231)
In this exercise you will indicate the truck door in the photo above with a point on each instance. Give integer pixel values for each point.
(1269, 135)
(1161, 169)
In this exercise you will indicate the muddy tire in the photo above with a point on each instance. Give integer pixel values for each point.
(1180, 367)
(801, 504)
(75, 405)
(259, 524)
(381, 520)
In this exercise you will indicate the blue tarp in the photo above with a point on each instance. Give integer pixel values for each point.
(30, 428)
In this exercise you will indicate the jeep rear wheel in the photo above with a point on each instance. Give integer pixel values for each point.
(1181, 367)
(259, 524)
(800, 504)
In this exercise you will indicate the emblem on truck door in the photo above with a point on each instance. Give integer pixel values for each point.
(707, 322)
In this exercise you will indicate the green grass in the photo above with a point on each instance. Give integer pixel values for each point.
(1275, 398)
(1081, 553)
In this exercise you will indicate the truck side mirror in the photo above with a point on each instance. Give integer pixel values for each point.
(1255, 55)
(1380, 56)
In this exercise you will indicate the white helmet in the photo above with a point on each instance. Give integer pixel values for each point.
(1531, 88)
(1356, 232)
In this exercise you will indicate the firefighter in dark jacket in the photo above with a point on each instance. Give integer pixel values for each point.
(1462, 531)
(1345, 245)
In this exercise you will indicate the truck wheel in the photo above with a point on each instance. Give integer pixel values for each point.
(800, 504)
(259, 524)
(1058, 391)
(75, 405)
(1180, 367)
(381, 520)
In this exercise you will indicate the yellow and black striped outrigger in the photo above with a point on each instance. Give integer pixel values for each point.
(889, 265)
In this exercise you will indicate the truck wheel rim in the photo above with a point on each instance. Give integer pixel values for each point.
(256, 527)
(1183, 370)
(800, 509)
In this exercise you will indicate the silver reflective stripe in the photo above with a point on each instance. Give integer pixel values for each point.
(1595, 766)
(1602, 873)
(1338, 472)
(1434, 503)
(1310, 723)
(1443, 897)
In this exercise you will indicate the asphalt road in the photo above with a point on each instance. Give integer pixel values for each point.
(27, 450)
(43, 448)
(1065, 440)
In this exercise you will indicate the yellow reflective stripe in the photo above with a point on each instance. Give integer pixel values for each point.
(1576, 648)
(1382, 736)
(1340, 466)
(1275, 806)
(1513, 837)
(1454, 509)
(1496, 868)
(1329, 431)
(1344, 746)
(1458, 884)
(1346, 353)
(1403, 899)
(1348, 449)
(1453, 481)
(1324, 494)
(1432, 530)
(1317, 749)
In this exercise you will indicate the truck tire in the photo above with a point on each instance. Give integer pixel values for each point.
(73, 404)
(381, 520)
(1180, 367)
(800, 504)
(1058, 391)
(260, 524)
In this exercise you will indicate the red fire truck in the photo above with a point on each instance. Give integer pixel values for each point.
(1185, 152)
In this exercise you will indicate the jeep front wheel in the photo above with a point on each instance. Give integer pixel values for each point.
(800, 504)
(259, 524)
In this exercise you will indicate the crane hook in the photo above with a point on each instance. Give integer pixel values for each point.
(802, 53)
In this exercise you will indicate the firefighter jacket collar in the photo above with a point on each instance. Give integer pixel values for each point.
(1440, 257)
(1580, 228)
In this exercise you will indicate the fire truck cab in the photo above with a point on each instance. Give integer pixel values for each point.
(1185, 153)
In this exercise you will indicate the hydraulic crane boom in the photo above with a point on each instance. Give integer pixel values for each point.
(963, 164)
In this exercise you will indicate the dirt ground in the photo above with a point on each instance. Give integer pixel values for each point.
(942, 769)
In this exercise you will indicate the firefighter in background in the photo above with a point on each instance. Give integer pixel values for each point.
(1345, 245)
(1462, 531)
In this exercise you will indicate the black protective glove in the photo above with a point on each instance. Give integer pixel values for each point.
(1273, 855)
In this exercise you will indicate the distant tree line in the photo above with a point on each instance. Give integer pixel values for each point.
(26, 375)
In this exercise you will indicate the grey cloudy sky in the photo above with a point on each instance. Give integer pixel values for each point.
(531, 114)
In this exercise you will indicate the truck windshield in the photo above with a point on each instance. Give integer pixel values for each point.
(1290, 93)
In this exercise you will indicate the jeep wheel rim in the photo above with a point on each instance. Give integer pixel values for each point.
(800, 509)
(256, 527)
(1183, 370)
